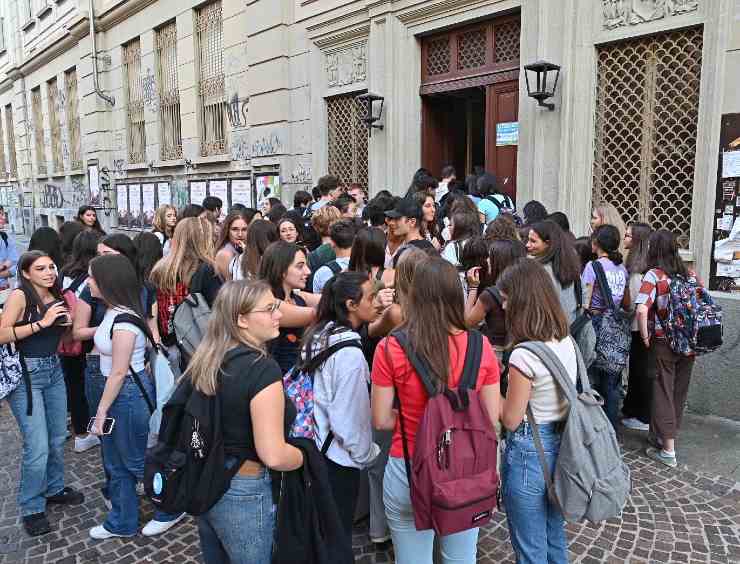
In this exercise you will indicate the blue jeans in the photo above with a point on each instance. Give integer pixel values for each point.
(607, 383)
(44, 433)
(239, 528)
(536, 527)
(94, 386)
(412, 546)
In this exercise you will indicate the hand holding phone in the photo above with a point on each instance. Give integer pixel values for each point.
(106, 428)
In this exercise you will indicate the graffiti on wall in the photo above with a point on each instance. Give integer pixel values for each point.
(149, 86)
(267, 145)
(301, 174)
(237, 110)
(68, 195)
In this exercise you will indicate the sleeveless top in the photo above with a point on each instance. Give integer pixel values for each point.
(286, 347)
(42, 343)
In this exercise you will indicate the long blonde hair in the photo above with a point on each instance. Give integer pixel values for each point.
(160, 220)
(192, 245)
(610, 216)
(234, 299)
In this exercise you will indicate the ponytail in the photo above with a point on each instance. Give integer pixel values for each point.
(615, 257)
(608, 239)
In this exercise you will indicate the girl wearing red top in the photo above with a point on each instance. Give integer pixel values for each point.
(435, 325)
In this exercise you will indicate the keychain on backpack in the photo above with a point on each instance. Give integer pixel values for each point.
(197, 444)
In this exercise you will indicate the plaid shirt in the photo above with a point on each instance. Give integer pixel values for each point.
(655, 290)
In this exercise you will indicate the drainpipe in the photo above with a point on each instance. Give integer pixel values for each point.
(110, 99)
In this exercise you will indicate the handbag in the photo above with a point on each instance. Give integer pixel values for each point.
(11, 369)
(613, 329)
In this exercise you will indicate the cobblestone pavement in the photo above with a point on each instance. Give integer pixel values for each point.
(673, 516)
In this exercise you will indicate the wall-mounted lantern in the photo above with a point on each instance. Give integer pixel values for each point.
(542, 73)
(369, 119)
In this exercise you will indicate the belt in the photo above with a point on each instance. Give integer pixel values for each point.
(251, 469)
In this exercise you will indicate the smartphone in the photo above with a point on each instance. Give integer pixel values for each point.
(107, 425)
(64, 320)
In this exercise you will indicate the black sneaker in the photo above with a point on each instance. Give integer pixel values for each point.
(67, 496)
(36, 524)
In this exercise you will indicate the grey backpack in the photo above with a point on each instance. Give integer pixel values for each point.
(591, 480)
(190, 319)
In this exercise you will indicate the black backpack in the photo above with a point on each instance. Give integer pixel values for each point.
(186, 470)
(333, 265)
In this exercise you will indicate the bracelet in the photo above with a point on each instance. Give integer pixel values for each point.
(38, 325)
(470, 288)
(15, 337)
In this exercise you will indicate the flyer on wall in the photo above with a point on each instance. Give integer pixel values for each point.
(197, 192)
(134, 205)
(93, 181)
(264, 183)
(164, 198)
(241, 192)
(122, 204)
(220, 189)
(147, 204)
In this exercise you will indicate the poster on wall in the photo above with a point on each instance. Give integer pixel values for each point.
(164, 198)
(147, 204)
(507, 133)
(220, 189)
(241, 192)
(267, 187)
(122, 204)
(93, 181)
(134, 205)
(197, 192)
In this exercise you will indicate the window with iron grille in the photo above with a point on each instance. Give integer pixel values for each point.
(134, 92)
(647, 110)
(170, 131)
(3, 165)
(38, 130)
(10, 129)
(347, 136)
(212, 108)
(55, 126)
(73, 119)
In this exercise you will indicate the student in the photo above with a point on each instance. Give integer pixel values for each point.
(288, 230)
(435, 325)
(284, 268)
(340, 384)
(534, 212)
(39, 403)
(8, 254)
(213, 206)
(231, 243)
(192, 210)
(301, 201)
(448, 175)
(606, 214)
(165, 220)
(404, 222)
(322, 220)
(536, 526)
(368, 255)
(562, 220)
(359, 196)
(342, 234)
(346, 206)
(463, 226)
(128, 398)
(67, 234)
(329, 189)
(636, 407)
(429, 224)
(232, 363)
(672, 370)
(605, 243)
(277, 211)
(260, 235)
(492, 199)
(502, 228)
(88, 217)
(47, 240)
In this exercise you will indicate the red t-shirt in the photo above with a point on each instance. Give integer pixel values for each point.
(392, 368)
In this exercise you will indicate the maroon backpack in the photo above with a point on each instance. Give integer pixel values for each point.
(452, 476)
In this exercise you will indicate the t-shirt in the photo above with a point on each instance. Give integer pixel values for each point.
(655, 291)
(547, 401)
(245, 373)
(104, 343)
(495, 318)
(616, 276)
(324, 274)
(392, 368)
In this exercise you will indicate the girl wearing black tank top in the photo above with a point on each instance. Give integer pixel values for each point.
(39, 403)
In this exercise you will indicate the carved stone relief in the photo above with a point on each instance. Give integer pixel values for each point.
(621, 13)
(347, 66)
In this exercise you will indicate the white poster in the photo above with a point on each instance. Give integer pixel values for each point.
(163, 194)
(241, 192)
(219, 189)
(197, 192)
(122, 204)
(134, 204)
(147, 204)
(94, 183)
(731, 164)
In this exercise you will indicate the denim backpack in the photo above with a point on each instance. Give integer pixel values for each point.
(694, 322)
(591, 480)
(613, 329)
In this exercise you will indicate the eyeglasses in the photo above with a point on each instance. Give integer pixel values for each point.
(272, 308)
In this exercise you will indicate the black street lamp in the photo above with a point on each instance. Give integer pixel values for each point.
(369, 119)
(540, 70)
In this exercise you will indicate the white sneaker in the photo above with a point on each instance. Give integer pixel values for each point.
(635, 424)
(101, 533)
(86, 443)
(154, 528)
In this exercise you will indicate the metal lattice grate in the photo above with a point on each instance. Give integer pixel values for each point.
(506, 41)
(646, 128)
(56, 127)
(134, 89)
(38, 130)
(471, 49)
(347, 140)
(73, 119)
(169, 94)
(438, 56)
(211, 86)
(10, 129)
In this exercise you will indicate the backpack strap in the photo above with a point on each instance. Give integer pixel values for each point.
(495, 293)
(606, 291)
(77, 282)
(139, 323)
(421, 367)
(473, 355)
(334, 266)
(4, 237)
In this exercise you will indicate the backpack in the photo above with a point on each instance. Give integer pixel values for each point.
(333, 265)
(186, 470)
(582, 330)
(298, 384)
(613, 329)
(190, 319)
(452, 477)
(68, 346)
(591, 480)
(694, 322)
(506, 206)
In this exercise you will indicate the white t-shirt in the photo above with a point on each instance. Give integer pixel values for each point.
(324, 274)
(104, 344)
(547, 401)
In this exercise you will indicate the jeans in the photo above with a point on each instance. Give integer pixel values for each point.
(412, 546)
(44, 433)
(74, 376)
(240, 527)
(536, 526)
(609, 386)
(378, 523)
(94, 386)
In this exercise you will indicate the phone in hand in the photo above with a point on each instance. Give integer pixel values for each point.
(107, 425)
(63, 320)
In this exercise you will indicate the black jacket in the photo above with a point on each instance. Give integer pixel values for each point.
(308, 526)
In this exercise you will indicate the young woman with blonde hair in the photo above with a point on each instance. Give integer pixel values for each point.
(231, 363)
(606, 214)
(231, 243)
(165, 220)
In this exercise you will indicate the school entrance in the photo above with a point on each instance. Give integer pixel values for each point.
(470, 94)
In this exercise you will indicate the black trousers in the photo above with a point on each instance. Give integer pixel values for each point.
(74, 377)
(640, 384)
(345, 485)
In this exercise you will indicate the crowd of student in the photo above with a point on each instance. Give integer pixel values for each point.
(335, 278)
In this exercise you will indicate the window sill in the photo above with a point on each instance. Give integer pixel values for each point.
(43, 12)
(3, 51)
(58, 174)
(137, 166)
(76, 172)
(170, 163)
(29, 25)
(213, 159)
